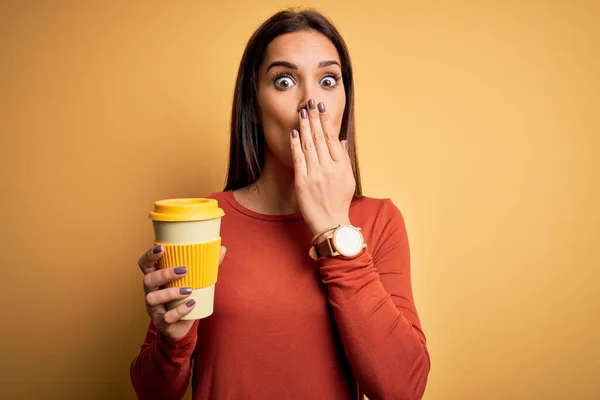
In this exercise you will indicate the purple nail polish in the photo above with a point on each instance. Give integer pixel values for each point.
(191, 303)
(185, 290)
(321, 107)
(180, 270)
(157, 249)
(311, 104)
(303, 114)
(294, 134)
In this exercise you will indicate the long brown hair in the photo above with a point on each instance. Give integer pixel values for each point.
(247, 146)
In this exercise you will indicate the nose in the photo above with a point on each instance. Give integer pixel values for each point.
(307, 94)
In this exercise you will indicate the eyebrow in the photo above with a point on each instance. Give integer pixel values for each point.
(290, 65)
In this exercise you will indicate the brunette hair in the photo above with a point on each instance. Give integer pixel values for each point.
(247, 144)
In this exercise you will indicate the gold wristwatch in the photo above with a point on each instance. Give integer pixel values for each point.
(339, 240)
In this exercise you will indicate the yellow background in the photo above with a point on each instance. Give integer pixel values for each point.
(479, 119)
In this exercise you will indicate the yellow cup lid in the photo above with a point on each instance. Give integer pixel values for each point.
(190, 209)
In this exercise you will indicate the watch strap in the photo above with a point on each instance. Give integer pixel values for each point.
(325, 248)
(324, 231)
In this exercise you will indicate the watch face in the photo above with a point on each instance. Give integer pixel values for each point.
(348, 241)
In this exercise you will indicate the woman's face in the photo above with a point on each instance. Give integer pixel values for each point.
(297, 67)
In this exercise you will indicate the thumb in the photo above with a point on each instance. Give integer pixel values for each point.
(222, 255)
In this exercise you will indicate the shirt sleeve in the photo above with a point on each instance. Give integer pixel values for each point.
(163, 367)
(372, 301)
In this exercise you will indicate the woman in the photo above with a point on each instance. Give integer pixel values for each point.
(288, 324)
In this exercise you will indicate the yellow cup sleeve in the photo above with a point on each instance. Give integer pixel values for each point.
(201, 260)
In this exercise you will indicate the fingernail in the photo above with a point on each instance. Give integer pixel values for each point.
(191, 303)
(311, 104)
(321, 107)
(303, 114)
(180, 270)
(185, 290)
(294, 134)
(157, 249)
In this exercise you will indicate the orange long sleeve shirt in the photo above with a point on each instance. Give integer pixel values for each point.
(288, 327)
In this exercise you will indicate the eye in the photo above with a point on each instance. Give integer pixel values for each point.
(283, 82)
(329, 81)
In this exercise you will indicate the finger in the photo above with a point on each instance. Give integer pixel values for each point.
(317, 134)
(222, 254)
(174, 315)
(147, 262)
(308, 146)
(163, 296)
(331, 134)
(298, 158)
(153, 280)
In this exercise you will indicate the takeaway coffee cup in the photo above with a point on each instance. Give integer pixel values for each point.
(189, 229)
